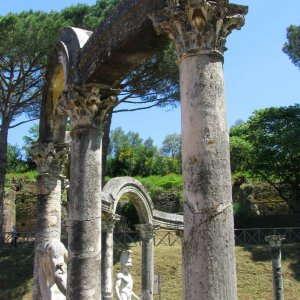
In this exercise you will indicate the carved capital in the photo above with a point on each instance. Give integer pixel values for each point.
(147, 231)
(275, 240)
(85, 105)
(199, 26)
(49, 157)
(108, 224)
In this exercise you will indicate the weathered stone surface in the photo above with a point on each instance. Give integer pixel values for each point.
(124, 282)
(49, 157)
(168, 201)
(107, 267)
(199, 30)
(123, 41)
(53, 271)
(9, 210)
(198, 27)
(85, 105)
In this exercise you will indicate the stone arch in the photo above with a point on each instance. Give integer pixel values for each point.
(60, 73)
(119, 186)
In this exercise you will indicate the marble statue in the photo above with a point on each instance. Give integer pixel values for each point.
(53, 271)
(124, 282)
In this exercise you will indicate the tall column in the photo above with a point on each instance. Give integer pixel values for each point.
(275, 243)
(49, 159)
(107, 256)
(87, 110)
(199, 29)
(147, 232)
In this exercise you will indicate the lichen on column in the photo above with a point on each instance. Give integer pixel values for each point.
(49, 158)
(87, 109)
(147, 232)
(198, 29)
(108, 225)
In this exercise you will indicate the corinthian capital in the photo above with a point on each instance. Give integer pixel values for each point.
(147, 230)
(198, 26)
(49, 157)
(108, 223)
(85, 105)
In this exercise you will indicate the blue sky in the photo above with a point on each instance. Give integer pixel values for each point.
(257, 73)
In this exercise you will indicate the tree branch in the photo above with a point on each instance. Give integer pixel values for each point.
(27, 121)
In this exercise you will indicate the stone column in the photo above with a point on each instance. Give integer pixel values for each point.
(49, 159)
(275, 243)
(147, 232)
(199, 29)
(107, 266)
(87, 110)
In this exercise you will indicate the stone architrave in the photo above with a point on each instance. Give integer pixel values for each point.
(49, 158)
(199, 29)
(87, 111)
(107, 266)
(147, 232)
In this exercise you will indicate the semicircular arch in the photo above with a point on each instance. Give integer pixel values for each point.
(135, 191)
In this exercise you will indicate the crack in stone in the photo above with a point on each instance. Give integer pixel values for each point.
(211, 213)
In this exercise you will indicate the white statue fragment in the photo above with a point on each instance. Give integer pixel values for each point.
(124, 282)
(53, 271)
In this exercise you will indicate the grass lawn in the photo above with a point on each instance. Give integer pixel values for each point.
(253, 266)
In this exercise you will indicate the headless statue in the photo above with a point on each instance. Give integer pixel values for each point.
(124, 282)
(53, 271)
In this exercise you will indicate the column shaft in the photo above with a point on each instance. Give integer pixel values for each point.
(88, 111)
(199, 30)
(107, 266)
(208, 249)
(49, 158)
(147, 268)
(84, 242)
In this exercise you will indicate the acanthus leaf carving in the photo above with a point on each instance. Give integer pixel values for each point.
(198, 26)
(85, 106)
(49, 157)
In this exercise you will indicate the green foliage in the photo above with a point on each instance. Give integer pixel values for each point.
(88, 17)
(171, 145)
(131, 215)
(32, 137)
(292, 46)
(155, 82)
(157, 184)
(129, 155)
(28, 176)
(15, 163)
(267, 147)
(26, 40)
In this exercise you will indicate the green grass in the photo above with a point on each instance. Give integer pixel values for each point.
(157, 183)
(16, 267)
(254, 270)
(28, 176)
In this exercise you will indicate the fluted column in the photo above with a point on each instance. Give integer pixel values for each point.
(199, 29)
(108, 225)
(147, 232)
(87, 110)
(49, 159)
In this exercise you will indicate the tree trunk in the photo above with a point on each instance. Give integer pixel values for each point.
(3, 162)
(208, 250)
